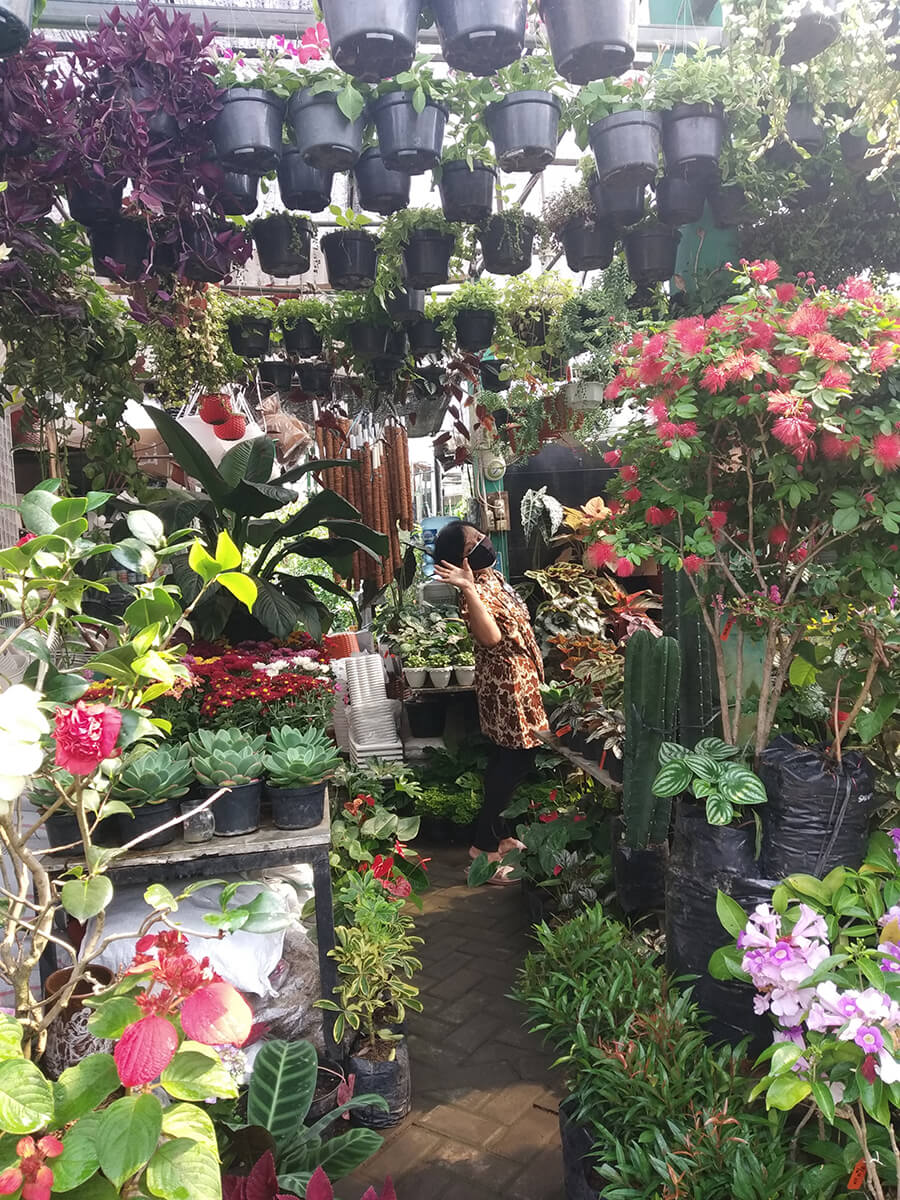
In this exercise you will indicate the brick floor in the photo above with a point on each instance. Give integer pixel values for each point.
(484, 1118)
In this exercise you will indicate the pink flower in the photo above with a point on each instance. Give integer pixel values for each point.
(824, 346)
(26, 537)
(632, 495)
(886, 450)
(834, 446)
(778, 535)
(761, 336)
(600, 554)
(763, 272)
(690, 334)
(717, 519)
(808, 319)
(85, 735)
(856, 289)
(629, 473)
(693, 563)
(624, 567)
(836, 378)
(741, 366)
(713, 379)
(612, 458)
(659, 516)
(883, 356)
(658, 410)
(785, 292)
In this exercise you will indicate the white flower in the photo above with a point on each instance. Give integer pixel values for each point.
(22, 725)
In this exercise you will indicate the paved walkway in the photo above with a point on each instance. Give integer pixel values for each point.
(484, 1118)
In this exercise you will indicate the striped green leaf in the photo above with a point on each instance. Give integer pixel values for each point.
(282, 1087)
(672, 779)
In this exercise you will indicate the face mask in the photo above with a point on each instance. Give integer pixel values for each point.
(483, 555)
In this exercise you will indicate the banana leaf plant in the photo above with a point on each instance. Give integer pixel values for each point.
(240, 498)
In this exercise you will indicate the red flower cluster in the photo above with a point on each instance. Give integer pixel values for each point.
(233, 677)
(393, 881)
(85, 735)
(31, 1174)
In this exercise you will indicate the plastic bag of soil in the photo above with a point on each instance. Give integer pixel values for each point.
(818, 813)
(578, 1172)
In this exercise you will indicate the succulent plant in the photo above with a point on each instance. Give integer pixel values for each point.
(226, 757)
(289, 737)
(149, 776)
(301, 758)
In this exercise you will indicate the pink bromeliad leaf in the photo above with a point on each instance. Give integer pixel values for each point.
(144, 1050)
(217, 1015)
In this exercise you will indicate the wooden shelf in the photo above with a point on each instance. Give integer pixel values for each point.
(578, 760)
(414, 695)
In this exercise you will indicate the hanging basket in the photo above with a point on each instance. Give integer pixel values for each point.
(692, 140)
(94, 204)
(626, 147)
(506, 244)
(323, 135)
(650, 253)
(622, 204)
(283, 243)
(480, 36)
(350, 258)
(407, 306)
(315, 378)
(489, 369)
(277, 373)
(474, 328)
(235, 195)
(372, 40)
(524, 128)
(380, 190)
(590, 42)
(15, 25)
(426, 258)
(124, 243)
(409, 141)
(729, 206)
(467, 193)
(679, 201)
(303, 188)
(247, 131)
(302, 339)
(424, 338)
(588, 244)
(813, 32)
(249, 336)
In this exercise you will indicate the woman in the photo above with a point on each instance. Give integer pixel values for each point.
(508, 674)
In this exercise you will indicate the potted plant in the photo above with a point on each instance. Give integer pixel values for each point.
(282, 243)
(693, 94)
(466, 183)
(416, 248)
(407, 306)
(507, 239)
(373, 41)
(532, 304)
(440, 668)
(480, 38)
(227, 758)
(120, 249)
(380, 189)
(590, 44)
(277, 373)
(247, 132)
(470, 315)
(350, 252)
(150, 783)
(573, 226)
(464, 666)
(650, 252)
(414, 669)
(410, 115)
(296, 771)
(590, 325)
(303, 188)
(623, 133)
(524, 125)
(232, 193)
(316, 378)
(425, 336)
(622, 204)
(361, 322)
(249, 321)
(327, 119)
(679, 201)
(303, 324)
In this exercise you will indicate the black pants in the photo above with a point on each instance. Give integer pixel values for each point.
(505, 770)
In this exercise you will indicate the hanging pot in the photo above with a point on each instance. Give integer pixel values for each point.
(480, 36)
(506, 245)
(467, 194)
(407, 306)
(302, 339)
(409, 141)
(489, 369)
(816, 189)
(813, 32)
(729, 205)
(679, 201)
(372, 40)
(650, 253)
(15, 25)
(303, 188)
(424, 338)
(801, 126)
(236, 195)
(94, 204)
(426, 258)
(384, 371)
(622, 204)
(279, 374)
(249, 336)
(626, 147)
(474, 328)
(124, 242)
(590, 42)
(350, 258)
(247, 131)
(524, 128)
(388, 1079)
(380, 190)
(315, 378)
(323, 135)
(588, 244)
(283, 244)
(367, 339)
(203, 260)
(692, 140)
(297, 807)
(145, 818)
(236, 811)
(854, 147)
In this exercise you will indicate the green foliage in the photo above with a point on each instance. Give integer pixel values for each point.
(395, 234)
(652, 679)
(162, 773)
(601, 99)
(481, 295)
(708, 771)
(310, 758)
(311, 308)
(226, 757)
(260, 308)
(594, 321)
(705, 76)
(456, 804)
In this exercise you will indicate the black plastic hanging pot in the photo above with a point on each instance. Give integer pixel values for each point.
(315, 378)
(729, 205)
(303, 188)
(650, 253)
(278, 374)
(524, 127)
(813, 32)
(474, 328)
(424, 338)
(622, 204)
(467, 194)
(853, 149)
(367, 339)
(236, 194)
(145, 818)
(388, 1079)
(94, 204)
(801, 126)
(249, 336)
(692, 140)
(350, 258)
(590, 42)
(15, 25)
(480, 36)
(302, 339)
(407, 306)
(203, 260)
(626, 147)
(409, 141)
(588, 244)
(679, 201)
(506, 244)
(490, 369)
(247, 131)
(297, 807)
(125, 243)
(372, 40)
(380, 190)
(236, 811)
(426, 258)
(162, 126)
(816, 189)
(384, 371)
(322, 134)
(283, 244)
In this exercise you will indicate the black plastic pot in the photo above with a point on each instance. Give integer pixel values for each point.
(15, 25)
(506, 245)
(524, 127)
(303, 188)
(588, 244)
(489, 369)
(801, 126)
(380, 190)
(368, 339)
(297, 808)
(424, 338)
(474, 328)
(350, 258)
(409, 141)
(467, 194)
(237, 195)
(407, 306)
(162, 126)
(626, 147)
(62, 830)
(283, 244)
(325, 1098)
(277, 373)
(384, 370)
(315, 378)
(125, 243)
(203, 261)
(146, 817)
(622, 204)
(480, 36)
(576, 1143)
(853, 149)
(322, 134)
(679, 201)
(247, 132)
(249, 336)
(388, 1079)
(372, 40)
(94, 205)
(590, 42)
(650, 253)
(813, 32)
(692, 140)
(426, 258)
(729, 205)
(302, 339)
(816, 189)
(640, 877)
(237, 811)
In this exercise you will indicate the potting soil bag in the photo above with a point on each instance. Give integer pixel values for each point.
(640, 877)
(818, 812)
(391, 1080)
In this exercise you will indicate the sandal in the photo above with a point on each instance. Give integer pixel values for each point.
(500, 877)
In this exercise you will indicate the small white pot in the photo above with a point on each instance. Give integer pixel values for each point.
(415, 676)
(440, 676)
(584, 396)
(465, 676)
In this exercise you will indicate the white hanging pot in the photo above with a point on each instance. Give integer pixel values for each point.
(215, 446)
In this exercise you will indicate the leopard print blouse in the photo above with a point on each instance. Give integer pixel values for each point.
(508, 675)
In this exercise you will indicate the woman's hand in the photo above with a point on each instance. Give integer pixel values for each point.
(458, 577)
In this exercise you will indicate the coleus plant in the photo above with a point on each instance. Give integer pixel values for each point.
(763, 463)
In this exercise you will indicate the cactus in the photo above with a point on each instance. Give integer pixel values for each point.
(652, 676)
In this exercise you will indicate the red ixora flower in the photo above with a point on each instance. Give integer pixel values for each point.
(546, 818)
(85, 735)
(31, 1174)
(763, 271)
(886, 450)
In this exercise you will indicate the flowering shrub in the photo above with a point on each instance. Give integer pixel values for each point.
(85, 735)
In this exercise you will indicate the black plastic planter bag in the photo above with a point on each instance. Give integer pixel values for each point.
(576, 1145)
(640, 877)
(818, 813)
(388, 1079)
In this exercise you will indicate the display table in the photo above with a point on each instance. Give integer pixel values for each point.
(578, 760)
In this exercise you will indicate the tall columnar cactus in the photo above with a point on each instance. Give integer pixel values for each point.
(652, 676)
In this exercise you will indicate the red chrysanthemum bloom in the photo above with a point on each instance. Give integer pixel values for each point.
(713, 379)
(624, 567)
(693, 563)
(632, 495)
(883, 356)
(837, 379)
(600, 554)
(808, 319)
(829, 348)
(629, 473)
(763, 271)
(785, 292)
(886, 449)
(612, 458)
(690, 334)
(778, 535)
